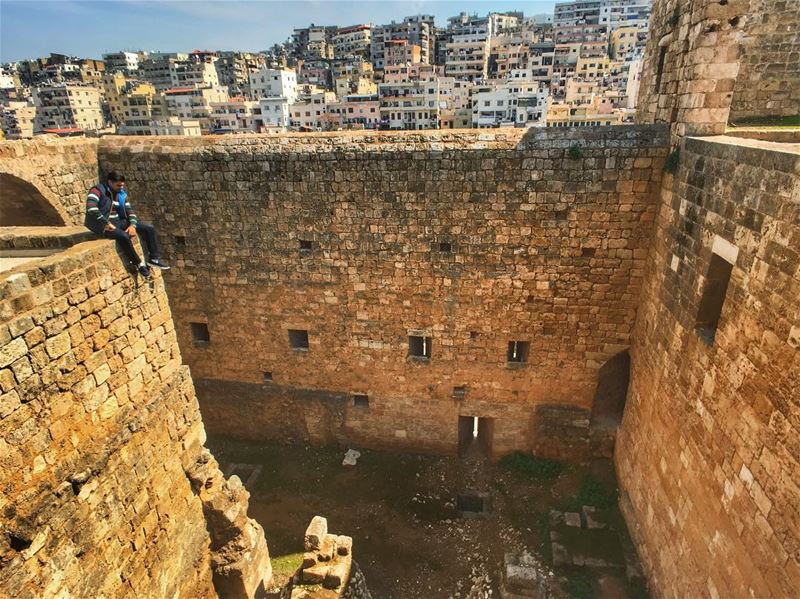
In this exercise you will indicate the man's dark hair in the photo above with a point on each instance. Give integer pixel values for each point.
(115, 177)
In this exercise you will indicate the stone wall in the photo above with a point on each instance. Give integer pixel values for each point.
(99, 430)
(62, 170)
(472, 239)
(768, 83)
(711, 61)
(708, 456)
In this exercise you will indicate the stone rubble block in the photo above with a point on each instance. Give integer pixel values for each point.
(315, 533)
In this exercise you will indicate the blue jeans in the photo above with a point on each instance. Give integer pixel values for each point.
(148, 236)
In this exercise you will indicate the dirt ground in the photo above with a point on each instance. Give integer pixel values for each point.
(401, 511)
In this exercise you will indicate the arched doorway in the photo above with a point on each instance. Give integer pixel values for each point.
(22, 205)
(611, 391)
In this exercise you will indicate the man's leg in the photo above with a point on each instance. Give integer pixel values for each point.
(123, 239)
(148, 234)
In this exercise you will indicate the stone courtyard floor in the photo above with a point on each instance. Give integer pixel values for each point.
(408, 535)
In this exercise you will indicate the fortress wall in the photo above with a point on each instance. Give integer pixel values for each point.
(100, 434)
(708, 455)
(62, 170)
(547, 245)
(768, 83)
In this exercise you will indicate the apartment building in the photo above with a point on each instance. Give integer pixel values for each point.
(194, 103)
(157, 68)
(455, 103)
(625, 13)
(142, 107)
(274, 83)
(67, 106)
(177, 126)
(194, 72)
(124, 62)
(352, 41)
(237, 115)
(519, 101)
(401, 52)
(309, 112)
(355, 111)
(581, 11)
(409, 97)
(417, 30)
(599, 112)
(627, 40)
(234, 70)
(17, 120)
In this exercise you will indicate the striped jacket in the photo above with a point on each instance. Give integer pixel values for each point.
(101, 209)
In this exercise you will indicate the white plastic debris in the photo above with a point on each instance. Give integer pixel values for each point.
(351, 458)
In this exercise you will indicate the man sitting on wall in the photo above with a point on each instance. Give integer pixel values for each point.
(109, 214)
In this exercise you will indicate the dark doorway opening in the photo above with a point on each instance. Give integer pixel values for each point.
(475, 436)
(611, 391)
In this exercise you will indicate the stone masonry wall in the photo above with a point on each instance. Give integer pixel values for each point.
(711, 61)
(473, 239)
(708, 456)
(99, 430)
(62, 170)
(768, 83)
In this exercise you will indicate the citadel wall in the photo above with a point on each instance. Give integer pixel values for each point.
(62, 170)
(105, 487)
(708, 455)
(470, 239)
(708, 62)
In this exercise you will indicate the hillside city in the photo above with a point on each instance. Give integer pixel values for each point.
(577, 67)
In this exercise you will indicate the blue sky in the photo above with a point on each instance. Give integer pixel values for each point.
(33, 28)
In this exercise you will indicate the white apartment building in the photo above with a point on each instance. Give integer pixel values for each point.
(625, 13)
(275, 113)
(274, 83)
(127, 62)
(67, 106)
(409, 97)
(349, 41)
(580, 11)
(519, 101)
(468, 55)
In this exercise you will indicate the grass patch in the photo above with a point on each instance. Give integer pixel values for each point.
(768, 121)
(575, 151)
(284, 566)
(528, 466)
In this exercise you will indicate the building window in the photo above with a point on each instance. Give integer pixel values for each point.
(419, 347)
(298, 339)
(267, 376)
(200, 334)
(306, 245)
(459, 392)
(361, 401)
(518, 351)
(445, 247)
(713, 297)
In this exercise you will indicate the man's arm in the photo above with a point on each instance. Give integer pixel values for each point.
(132, 218)
(93, 210)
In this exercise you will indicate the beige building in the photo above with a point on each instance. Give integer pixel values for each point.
(626, 40)
(194, 103)
(16, 119)
(355, 40)
(67, 106)
(177, 126)
(400, 52)
(142, 107)
(598, 113)
(409, 97)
